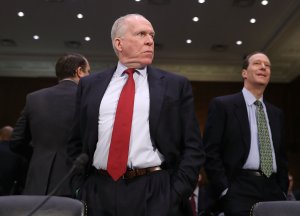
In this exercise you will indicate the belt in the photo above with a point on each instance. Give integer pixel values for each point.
(131, 173)
(252, 172)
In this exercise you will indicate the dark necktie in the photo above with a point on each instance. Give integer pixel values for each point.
(265, 150)
(118, 151)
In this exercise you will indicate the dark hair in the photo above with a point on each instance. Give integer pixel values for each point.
(66, 65)
(246, 59)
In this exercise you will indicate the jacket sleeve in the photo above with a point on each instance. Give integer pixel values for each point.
(212, 138)
(20, 141)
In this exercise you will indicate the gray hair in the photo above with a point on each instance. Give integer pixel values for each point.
(119, 28)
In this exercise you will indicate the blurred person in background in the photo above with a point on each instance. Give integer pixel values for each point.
(42, 131)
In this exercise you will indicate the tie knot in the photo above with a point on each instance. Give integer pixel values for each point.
(129, 71)
(258, 103)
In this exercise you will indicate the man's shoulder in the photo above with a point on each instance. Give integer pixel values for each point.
(230, 98)
(165, 73)
(66, 88)
(41, 91)
(228, 102)
(98, 75)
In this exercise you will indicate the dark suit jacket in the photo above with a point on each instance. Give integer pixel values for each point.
(45, 125)
(227, 141)
(173, 126)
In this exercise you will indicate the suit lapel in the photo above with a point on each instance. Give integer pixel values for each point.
(98, 86)
(242, 116)
(156, 91)
(102, 80)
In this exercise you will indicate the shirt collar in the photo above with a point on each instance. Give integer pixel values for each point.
(69, 79)
(249, 97)
(121, 68)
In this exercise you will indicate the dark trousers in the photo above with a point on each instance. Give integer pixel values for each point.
(148, 195)
(246, 190)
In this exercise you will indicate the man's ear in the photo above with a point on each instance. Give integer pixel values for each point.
(79, 72)
(118, 44)
(244, 73)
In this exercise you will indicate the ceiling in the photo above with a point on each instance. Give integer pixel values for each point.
(212, 56)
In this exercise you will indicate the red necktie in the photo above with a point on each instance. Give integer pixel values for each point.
(193, 204)
(118, 151)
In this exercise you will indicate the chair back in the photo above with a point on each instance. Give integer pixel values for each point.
(22, 205)
(276, 208)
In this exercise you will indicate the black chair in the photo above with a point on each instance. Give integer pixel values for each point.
(22, 205)
(276, 208)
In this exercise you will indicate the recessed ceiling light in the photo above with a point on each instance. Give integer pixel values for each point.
(87, 38)
(239, 42)
(21, 14)
(252, 20)
(188, 41)
(195, 19)
(137, 0)
(79, 16)
(36, 37)
(201, 1)
(264, 2)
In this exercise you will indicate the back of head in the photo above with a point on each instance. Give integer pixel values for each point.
(5, 133)
(66, 65)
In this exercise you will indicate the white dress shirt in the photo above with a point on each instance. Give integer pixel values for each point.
(253, 159)
(142, 153)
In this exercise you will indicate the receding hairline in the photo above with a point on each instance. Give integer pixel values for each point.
(118, 28)
(250, 55)
(119, 24)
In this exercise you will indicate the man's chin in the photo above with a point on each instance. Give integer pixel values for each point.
(138, 63)
(145, 62)
(148, 62)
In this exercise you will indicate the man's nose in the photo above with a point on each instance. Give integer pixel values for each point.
(149, 40)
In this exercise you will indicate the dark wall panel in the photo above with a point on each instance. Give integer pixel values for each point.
(13, 93)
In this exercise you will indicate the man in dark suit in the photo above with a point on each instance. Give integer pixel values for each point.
(42, 131)
(233, 144)
(165, 149)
